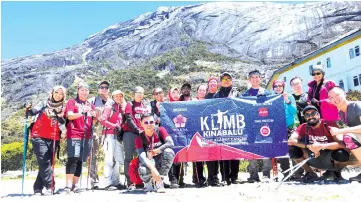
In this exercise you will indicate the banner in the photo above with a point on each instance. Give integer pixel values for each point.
(226, 128)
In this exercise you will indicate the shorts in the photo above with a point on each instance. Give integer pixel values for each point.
(74, 148)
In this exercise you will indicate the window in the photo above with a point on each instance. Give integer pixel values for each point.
(319, 63)
(340, 83)
(357, 50)
(284, 79)
(355, 81)
(311, 69)
(328, 61)
(352, 53)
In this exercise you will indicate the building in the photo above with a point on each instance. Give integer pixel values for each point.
(341, 59)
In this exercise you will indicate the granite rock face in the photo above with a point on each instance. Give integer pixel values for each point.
(266, 34)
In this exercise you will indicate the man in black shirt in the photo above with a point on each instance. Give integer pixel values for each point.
(300, 97)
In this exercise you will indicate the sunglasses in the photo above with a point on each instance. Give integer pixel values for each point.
(317, 73)
(277, 86)
(158, 93)
(103, 87)
(226, 80)
(308, 115)
(149, 122)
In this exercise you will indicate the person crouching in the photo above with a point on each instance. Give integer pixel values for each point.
(154, 148)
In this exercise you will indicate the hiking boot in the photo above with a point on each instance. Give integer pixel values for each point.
(339, 179)
(202, 183)
(309, 177)
(121, 187)
(38, 193)
(110, 188)
(148, 187)
(160, 187)
(356, 178)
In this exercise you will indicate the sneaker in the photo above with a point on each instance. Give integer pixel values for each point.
(328, 176)
(76, 189)
(266, 178)
(38, 193)
(253, 178)
(48, 192)
(160, 187)
(149, 186)
(174, 184)
(235, 181)
(356, 178)
(121, 187)
(67, 190)
(309, 177)
(95, 187)
(131, 187)
(215, 184)
(339, 179)
(111, 188)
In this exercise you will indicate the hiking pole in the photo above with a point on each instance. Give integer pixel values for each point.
(83, 144)
(53, 159)
(26, 137)
(298, 167)
(90, 161)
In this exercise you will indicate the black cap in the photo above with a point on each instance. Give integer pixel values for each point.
(225, 74)
(309, 107)
(104, 82)
(186, 84)
(254, 72)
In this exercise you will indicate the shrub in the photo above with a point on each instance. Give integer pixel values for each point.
(12, 157)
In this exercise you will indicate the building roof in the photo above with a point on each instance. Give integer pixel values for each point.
(340, 41)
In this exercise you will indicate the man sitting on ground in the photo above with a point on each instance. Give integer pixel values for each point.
(154, 148)
(314, 138)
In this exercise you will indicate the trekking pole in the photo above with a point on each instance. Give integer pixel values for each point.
(53, 159)
(83, 144)
(298, 166)
(90, 156)
(26, 137)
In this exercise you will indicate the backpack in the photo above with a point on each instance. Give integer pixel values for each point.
(134, 163)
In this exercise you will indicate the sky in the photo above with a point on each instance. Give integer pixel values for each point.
(29, 28)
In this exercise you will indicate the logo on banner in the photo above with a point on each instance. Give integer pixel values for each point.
(180, 121)
(263, 112)
(265, 131)
(222, 123)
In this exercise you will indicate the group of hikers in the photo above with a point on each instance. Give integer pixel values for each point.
(121, 128)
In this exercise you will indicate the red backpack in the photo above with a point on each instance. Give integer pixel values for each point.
(133, 171)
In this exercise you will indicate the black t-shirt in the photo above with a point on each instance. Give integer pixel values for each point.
(209, 96)
(297, 99)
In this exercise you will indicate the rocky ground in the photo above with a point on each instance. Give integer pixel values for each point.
(11, 189)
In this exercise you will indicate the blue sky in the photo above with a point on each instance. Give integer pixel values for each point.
(39, 27)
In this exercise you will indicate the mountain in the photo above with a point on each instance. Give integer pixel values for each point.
(264, 35)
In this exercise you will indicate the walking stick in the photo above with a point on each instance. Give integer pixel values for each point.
(83, 143)
(26, 137)
(298, 166)
(53, 159)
